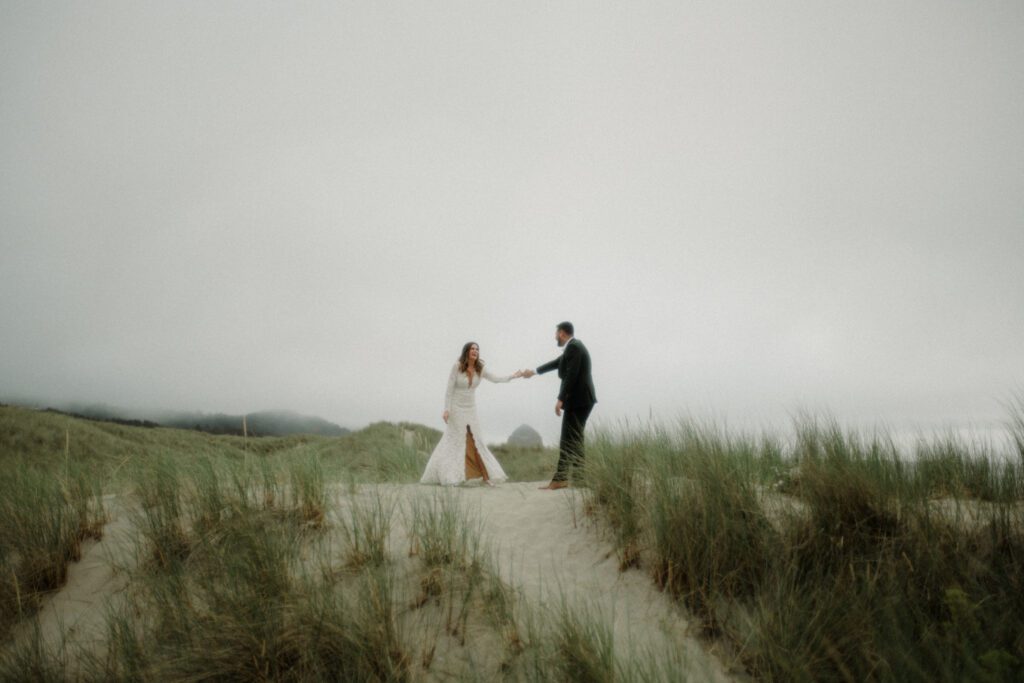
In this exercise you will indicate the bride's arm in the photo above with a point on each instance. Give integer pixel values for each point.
(489, 376)
(451, 389)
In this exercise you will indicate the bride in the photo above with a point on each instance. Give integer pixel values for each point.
(461, 455)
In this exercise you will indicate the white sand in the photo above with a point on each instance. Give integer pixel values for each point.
(78, 611)
(545, 549)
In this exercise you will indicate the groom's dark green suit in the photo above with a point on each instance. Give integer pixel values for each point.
(578, 398)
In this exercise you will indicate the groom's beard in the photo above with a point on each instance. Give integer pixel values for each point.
(561, 343)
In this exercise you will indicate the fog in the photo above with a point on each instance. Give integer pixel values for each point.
(747, 209)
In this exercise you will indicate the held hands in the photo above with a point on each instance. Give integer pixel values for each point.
(527, 373)
(445, 417)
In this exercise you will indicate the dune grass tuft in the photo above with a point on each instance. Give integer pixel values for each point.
(44, 518)
(366, 525)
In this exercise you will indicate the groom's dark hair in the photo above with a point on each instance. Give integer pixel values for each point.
(566, 327)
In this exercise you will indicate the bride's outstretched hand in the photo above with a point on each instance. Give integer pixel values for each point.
(517, 373)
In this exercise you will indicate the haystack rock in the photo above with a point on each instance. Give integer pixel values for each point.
(525, 436)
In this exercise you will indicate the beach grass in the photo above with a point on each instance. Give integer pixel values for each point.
(830, 555)
(526, 464)
(823, 554)
(271, 560)
(366, 525)
(45, 516)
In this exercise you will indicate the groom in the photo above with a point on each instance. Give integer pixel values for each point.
(575, 396)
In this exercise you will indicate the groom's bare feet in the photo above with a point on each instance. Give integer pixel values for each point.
(554, 485)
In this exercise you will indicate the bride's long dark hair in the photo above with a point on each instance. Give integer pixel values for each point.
(478, 366)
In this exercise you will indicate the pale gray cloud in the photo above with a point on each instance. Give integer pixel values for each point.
(746, 208)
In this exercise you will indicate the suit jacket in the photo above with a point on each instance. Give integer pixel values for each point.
(577, 390)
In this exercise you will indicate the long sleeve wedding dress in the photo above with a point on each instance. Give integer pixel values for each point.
(447, 464)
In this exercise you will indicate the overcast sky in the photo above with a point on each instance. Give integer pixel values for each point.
(746, 208)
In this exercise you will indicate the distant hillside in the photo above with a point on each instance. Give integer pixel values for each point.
(264, 423)
(48, 438)
(149, 424)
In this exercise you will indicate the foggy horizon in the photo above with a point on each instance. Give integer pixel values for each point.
(747, 211)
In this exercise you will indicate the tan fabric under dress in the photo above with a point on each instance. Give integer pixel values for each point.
(474, 464)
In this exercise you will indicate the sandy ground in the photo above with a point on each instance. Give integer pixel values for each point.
(541, 544)
(77, 612)
(544, 548)
(547, 550)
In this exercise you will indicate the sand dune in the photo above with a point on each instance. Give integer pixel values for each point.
(548, 550)
(542, 545)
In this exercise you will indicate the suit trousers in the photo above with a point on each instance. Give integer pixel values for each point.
(570, 445)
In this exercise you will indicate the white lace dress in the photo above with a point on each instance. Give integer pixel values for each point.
(447, 464)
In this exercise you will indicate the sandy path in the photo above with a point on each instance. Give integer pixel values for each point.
(545, 549)
(76, 614)
(541, 544)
